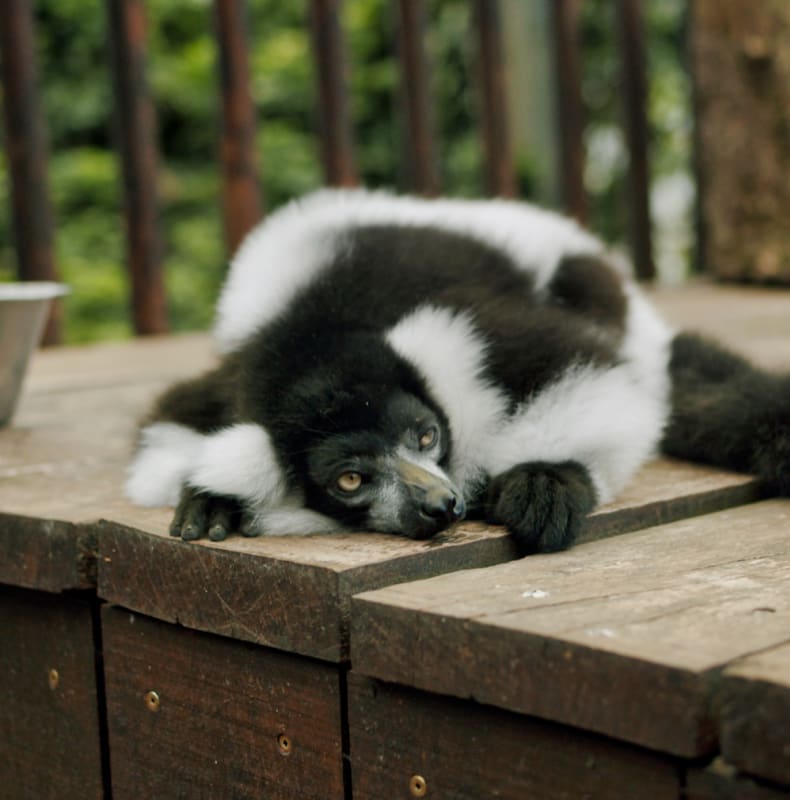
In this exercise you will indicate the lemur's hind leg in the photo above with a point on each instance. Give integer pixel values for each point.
(727, 412)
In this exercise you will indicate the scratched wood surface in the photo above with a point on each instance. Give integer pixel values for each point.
(721, 781)
(754, 705)
(226, 720)
(465, 751)
(49, 715)
(621, 636)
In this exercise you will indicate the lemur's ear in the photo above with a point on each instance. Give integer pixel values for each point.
(237, 461)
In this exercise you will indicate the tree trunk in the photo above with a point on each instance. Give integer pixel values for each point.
(741, 63)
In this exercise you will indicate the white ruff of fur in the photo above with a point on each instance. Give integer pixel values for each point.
(237, 461)
(164, 458)
(448, 353)
(286, 251)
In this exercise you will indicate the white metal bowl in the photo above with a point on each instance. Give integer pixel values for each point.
(23, 312)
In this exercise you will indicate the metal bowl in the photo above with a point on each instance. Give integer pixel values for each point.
(23, 312)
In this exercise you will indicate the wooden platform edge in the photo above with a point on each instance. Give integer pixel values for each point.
(588, 688)
(49, 555)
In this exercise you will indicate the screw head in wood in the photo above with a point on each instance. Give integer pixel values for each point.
(284, 744)
(152, 700)
(418, 786)
(53, 678)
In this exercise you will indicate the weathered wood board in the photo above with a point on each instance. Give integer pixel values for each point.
(49, 715)
(721, 781)
(404, 740)
(617, 636)
(199, 716)
(754, 702)
(306, 582)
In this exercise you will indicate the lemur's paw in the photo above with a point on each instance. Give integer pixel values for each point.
(201, 514)
(542, 504)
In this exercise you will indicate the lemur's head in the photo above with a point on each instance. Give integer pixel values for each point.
(377, 461)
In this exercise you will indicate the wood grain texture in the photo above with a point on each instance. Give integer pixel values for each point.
(755, 711)
(578, 636)
(721, 781)
(288, 592)
(49, 724)
(220, 711)
(46, 555)
(466, 751)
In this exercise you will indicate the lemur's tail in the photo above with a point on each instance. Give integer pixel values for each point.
(727, 412)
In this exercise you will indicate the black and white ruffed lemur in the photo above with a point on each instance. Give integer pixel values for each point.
(394, 364)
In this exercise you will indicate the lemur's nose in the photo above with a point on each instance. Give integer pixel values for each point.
(443, 505)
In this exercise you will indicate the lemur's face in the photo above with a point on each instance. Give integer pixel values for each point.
(390, 479)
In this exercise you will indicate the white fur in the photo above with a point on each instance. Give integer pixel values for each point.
(162, 463)
(606, 419)
(287, 250)
(448, 353)
(290, 517)
(239, 461)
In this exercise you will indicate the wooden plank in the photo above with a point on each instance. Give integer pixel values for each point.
(500, 174)
(288, 592)
(49, 717)
(468, 751)
(721, 781)
(570, 109)
(226, 720)
(633, 72)
(576, 636)
(48, 555)
(754, 321)
(73, 472)
(754, 700)
(337, 149)
(421, 159)
(135, 131)
(27, 154)
(241, 194)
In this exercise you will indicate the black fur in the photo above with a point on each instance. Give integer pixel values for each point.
(334, 395)
(727, 412)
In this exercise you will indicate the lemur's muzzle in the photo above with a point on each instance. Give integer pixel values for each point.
(434, 502)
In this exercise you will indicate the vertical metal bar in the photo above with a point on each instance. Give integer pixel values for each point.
(500, 172)
(633, 70)
(420, 138)
(337, 150)
(241, 194)
(135, 125)
(26, 151)
(570, 110)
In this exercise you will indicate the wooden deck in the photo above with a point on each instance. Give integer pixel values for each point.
(651, 660)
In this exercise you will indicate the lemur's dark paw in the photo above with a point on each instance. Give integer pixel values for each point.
(200, 514)
(542, 504)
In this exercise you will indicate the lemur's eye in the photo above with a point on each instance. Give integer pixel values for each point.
(428, 438)
(349, 481)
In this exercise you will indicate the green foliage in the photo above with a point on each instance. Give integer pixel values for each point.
(182, 73)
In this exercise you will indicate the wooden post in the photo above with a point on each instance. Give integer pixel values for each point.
(337, 149)
(26, 151)
(634, 82)
(741, 66)
(135, 125)
(500, 172)
(241, 194)
(420, 133)
(570, 111)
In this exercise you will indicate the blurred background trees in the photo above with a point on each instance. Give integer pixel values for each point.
(85, 184)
